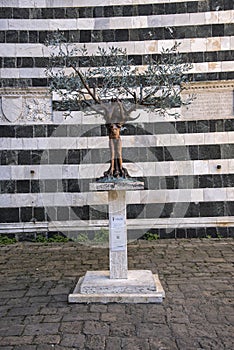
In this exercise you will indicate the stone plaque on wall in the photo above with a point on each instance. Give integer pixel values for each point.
(212, 100)
(21, 106)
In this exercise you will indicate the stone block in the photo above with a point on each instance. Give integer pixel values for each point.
(141, 286)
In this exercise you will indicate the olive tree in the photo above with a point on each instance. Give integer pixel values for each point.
(109, 84)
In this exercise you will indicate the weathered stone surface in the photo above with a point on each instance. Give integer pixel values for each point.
(42, 328)
(141, 286)
(199, 318)
(96, 327)
(138, 281)
(73, 340)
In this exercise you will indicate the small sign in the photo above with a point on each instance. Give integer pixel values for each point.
(118, 239)
(117, 221)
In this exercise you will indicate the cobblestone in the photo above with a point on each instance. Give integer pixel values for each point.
(197, 313)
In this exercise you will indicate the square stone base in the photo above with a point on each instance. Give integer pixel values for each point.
(141, 286)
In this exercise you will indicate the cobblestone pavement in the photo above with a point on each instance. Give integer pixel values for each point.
(197, 312)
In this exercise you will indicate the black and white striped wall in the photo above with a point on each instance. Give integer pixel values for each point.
(47, 161)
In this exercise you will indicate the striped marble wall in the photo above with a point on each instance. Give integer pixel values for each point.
(47, 161)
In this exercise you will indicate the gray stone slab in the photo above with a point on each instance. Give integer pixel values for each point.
(141, 286)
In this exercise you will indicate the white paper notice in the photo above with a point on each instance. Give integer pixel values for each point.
(117, 221)
(118, 239)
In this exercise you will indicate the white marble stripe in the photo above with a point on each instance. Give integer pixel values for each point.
(87, 225)
(133, 47)
(166, 140)
(25, 227)
(59, 199)
(195, 222)
(132, 22)
(81, 3)
(77, 118)
(87, 171)
(201, 67)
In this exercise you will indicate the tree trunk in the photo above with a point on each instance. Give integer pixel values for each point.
(116, 169)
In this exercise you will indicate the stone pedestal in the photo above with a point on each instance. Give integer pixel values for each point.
(141, 286)
(118, 284)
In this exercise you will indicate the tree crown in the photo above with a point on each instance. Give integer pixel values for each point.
(109, 83)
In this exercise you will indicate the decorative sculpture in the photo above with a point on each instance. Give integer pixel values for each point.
(109, 84)
(116, 116)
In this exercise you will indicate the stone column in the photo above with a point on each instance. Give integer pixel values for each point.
(117, 235)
